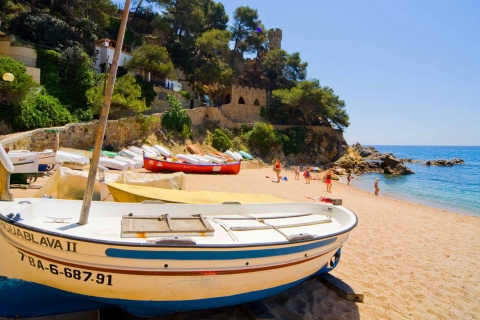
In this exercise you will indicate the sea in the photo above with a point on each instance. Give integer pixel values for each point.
(455, 188)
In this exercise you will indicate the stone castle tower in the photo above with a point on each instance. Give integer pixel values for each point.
(275, 39)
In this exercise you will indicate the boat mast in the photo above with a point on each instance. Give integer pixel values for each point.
(87, 197)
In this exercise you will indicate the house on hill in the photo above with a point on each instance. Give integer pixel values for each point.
(25, 55)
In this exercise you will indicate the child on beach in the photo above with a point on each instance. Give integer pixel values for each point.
(297, 172)
(349, 177)
(375, 184)
(306, 174)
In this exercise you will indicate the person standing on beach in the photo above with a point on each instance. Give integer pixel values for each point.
(349, 177)
(306, 174)
(375, 184)
(328, 180)
(278, 168)
(297, 172)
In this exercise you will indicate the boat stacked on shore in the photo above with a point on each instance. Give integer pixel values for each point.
(194, 162)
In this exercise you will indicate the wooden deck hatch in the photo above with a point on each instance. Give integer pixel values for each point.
(165, 225)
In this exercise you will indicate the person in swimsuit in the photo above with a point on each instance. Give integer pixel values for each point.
(375, 184)
(328, 180)
(349, 177)
(297, 172)
(306, 174)
(278, 169)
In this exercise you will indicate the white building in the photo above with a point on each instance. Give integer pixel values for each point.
(105, 48)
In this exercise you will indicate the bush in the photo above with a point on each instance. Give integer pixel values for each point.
(220, 140)
(40, 111)
(185, 94)
(176, 118)
(293, 140)
(263, 136)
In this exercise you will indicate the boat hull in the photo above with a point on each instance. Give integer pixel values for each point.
(157, 165)
(167, 276)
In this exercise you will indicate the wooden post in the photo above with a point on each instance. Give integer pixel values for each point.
(87, 197)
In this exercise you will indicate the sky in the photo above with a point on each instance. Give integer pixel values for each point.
(408, 70)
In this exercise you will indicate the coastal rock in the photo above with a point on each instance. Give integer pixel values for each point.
(375, 161)
(350, 160)
(444, 163)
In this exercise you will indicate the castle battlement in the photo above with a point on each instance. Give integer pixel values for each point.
(247, 89)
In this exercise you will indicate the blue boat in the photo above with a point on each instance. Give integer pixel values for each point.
(246, 155)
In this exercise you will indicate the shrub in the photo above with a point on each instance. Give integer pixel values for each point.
(185, 94)
(176, 118)
(263, 136)
(40, 111)
(220, 140)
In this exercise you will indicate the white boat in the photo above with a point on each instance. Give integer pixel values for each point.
(162, 150)
(46, 160)
(25, 166)
(69, 157)
(132, 155)
(137, 150)
(150, 151)
(115, 164)
(238, 156)
(24, 161)
(215, 159)
(233, 155)
(135, 164)
(153, 258)
(201, 159)
(187, 158)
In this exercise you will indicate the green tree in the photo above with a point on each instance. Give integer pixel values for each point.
(127, 96)
(315, 103)
(68, 75)
(14, 92)
(151, 58)
(212, 73)
(44, 30)
(283, 70)
(245, 32)
(183, 21)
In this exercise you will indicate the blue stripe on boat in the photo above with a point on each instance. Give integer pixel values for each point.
(22, 299)
(35, 300)
(214, 255)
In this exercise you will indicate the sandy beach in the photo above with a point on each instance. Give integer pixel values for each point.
(410, 261)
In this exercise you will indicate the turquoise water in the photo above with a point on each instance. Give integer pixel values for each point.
(454, 188)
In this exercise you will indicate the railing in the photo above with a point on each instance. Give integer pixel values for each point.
(27, 61)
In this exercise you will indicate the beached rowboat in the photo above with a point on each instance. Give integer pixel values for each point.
(159, 165)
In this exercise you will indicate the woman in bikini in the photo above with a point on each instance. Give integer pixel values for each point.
(328, 180)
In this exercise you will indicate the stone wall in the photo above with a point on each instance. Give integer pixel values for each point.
(119, 133)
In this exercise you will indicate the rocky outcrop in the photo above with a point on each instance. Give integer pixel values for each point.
(444, 163)
(319, 149)
(361, 160)
(392, 165)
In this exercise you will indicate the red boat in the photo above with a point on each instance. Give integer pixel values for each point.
(158, 165)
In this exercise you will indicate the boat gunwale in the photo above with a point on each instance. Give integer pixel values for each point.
(173, 245)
